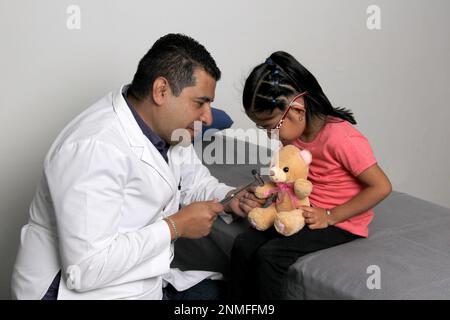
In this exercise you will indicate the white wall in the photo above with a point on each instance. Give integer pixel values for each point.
(394, 79)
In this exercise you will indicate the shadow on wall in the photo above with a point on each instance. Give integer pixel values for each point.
(17, 209)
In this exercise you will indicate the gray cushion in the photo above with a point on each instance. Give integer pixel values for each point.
(409, 242)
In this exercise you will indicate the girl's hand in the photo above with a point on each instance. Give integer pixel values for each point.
(244, 202)
(315, 218)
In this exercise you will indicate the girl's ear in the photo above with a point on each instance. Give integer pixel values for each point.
(300, 112)
(298, 107)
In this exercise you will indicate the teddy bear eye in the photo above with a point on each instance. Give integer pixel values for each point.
(286, 169)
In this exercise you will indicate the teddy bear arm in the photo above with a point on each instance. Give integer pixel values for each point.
(265, 191)
(302, 188)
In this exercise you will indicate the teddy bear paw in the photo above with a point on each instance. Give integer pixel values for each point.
(256, 226)
(279, 226)
(253, 223)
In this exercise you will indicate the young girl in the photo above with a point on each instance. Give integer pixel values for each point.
(282, 97)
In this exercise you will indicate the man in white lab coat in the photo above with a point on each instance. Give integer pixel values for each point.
(107, 209)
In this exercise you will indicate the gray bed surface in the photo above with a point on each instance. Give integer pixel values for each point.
(409, 244)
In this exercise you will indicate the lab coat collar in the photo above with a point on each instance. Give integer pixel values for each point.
(143, 148)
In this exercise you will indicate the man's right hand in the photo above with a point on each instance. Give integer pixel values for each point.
(196, 219)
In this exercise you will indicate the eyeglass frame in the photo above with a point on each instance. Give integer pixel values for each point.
(283, 117)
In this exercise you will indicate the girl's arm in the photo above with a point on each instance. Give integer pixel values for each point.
(377, 187)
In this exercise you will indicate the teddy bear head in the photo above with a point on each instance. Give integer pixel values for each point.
(289, 164)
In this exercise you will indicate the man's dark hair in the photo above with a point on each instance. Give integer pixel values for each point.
(174, 57)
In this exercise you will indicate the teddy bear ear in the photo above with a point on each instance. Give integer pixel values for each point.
(307, 156)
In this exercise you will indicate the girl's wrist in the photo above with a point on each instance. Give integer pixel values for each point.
(330, 217)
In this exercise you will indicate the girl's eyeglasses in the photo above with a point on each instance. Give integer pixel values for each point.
(290, 105)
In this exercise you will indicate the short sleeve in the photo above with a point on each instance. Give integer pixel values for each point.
(355, 153)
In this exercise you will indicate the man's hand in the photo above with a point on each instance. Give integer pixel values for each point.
(244, 202)
(195, 220)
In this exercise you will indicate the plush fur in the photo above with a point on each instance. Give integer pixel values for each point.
(288, 179)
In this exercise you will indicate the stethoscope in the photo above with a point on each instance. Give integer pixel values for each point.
(257, 180)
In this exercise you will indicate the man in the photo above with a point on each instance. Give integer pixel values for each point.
(108, 206)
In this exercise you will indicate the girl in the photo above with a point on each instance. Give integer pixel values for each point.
(283, 97)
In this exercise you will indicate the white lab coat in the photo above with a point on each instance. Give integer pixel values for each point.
(97, 213)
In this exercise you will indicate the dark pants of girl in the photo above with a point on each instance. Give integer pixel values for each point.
(260, 259)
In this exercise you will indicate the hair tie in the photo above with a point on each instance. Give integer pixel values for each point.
(269, 62)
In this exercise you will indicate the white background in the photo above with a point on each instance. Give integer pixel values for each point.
(396, 80)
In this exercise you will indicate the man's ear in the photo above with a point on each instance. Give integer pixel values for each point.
(161, 89)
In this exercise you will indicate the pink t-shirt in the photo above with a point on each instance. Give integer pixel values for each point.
(339, 154)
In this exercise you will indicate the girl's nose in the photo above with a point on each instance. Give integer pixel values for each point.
(271, 173)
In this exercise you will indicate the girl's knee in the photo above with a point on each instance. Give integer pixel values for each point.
(265, 255)
(245, 244)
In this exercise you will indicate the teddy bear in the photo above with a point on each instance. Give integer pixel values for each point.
(288, 180)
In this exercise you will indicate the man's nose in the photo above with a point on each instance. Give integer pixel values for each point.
(206, 116)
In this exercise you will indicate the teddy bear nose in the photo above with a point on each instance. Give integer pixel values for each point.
(271, 173)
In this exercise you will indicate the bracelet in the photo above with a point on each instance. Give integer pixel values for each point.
(328, 212)
(174, 227)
